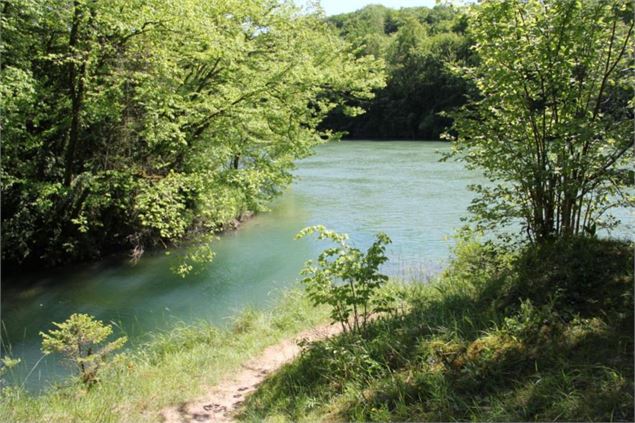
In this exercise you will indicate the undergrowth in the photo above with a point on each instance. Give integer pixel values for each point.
(532, 334)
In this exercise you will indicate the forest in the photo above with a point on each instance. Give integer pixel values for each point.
(103, 155)
(151, 122)
(419, 47)
(252, 210)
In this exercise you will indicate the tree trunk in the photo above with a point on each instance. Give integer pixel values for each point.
(76, 89)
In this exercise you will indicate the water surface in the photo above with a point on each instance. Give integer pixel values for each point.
(355, 187)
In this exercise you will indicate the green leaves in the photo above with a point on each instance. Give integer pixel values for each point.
(346, 278)
(158, 121)
(553, 127)
(81, 340)
(419, 45)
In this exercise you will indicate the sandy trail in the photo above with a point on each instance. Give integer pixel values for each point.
(220, 402)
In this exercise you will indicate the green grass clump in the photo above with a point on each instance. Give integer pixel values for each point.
(174, 367)
(539, 333)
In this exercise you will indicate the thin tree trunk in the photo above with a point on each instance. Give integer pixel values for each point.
(355, 315)
(76, 88)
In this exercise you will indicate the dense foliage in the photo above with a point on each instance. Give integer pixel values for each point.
(553, 129)
(418, 46)
(143, 122)
(139, 123)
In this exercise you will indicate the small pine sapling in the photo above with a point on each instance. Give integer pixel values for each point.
(81, 340)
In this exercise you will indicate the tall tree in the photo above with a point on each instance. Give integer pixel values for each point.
(132, 123)
(554, 126)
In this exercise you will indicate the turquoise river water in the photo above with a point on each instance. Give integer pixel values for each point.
(359, 188)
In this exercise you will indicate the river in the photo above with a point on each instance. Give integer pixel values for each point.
(358, 187)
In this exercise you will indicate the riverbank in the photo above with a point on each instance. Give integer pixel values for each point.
(173, 367)
(532, 334)
(352, 187)
(119, 254)
(220, 402)
(536, 334)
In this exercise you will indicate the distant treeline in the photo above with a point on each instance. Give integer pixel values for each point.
(419, 46)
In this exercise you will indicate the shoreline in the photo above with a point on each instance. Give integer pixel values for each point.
(174, 366)
(116, 258)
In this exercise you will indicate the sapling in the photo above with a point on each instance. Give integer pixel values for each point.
(346, 278)
(81, 339)
(6, 363)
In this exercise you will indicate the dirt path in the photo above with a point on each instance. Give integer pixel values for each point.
(221, 401)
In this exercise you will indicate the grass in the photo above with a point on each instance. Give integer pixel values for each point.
(175, 366)
(534, 334)
(540, 334)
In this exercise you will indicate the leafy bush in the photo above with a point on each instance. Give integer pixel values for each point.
(345, 278)
(79, 339)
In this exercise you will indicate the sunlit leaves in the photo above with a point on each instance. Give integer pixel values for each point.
(82, 341)
(346, 278)
(553, 127)
(161, 120)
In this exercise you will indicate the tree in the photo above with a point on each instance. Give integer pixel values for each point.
(553, 127)
(143, 123)
(81, 340)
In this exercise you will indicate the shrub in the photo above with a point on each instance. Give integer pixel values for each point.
(6, 363)
(345, 278)
(81, 340)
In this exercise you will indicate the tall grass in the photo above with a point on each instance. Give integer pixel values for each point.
(532, 334)
(537, 333)
(173, 367)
